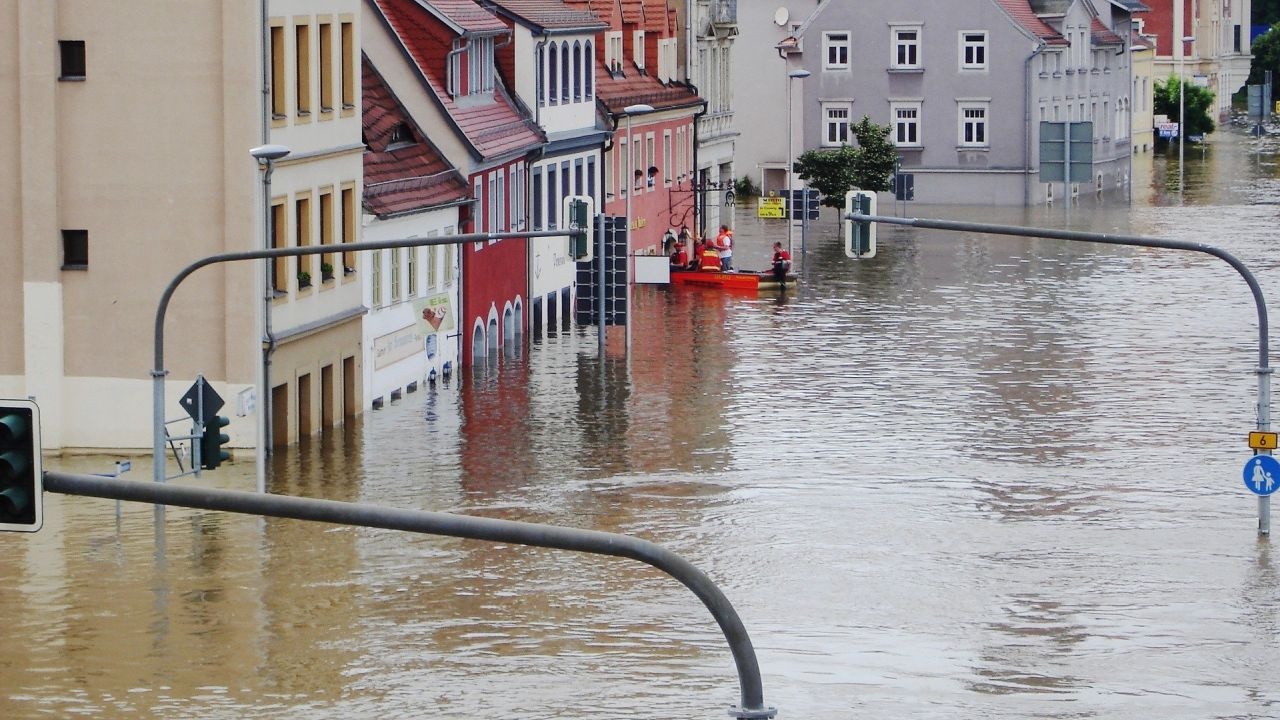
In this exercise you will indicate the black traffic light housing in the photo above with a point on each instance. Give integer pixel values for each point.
(211, 453)
(21, 473)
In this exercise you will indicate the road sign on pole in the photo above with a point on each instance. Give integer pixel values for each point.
(1262, 474)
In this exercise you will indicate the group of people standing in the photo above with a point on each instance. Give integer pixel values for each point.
(713, 254)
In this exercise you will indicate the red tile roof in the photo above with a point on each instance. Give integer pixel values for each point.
(552, 14)
(406, 178)
(1025, 17)
(467, 16)
(617, 93)
(632, 11)
(493, 126)
(1102, 35)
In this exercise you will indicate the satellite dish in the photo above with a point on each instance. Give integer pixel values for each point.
(780, 16)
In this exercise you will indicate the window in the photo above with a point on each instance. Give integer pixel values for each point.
(396, 254)
(566, 72)
(279, 235)
(973, 51)
(411, 268)
(552, 196)
(973, 125)
(637, 48)
(348, 228)
(835, 118)
(433, 277)
(302, 71)
(906, 48)
(906, 123)
(326, 67)
(537, 199)
(302, 238)
(75, 249)
(577, 177)
(577, 71)
(554, 65)
(326, 234)
(591, 176)
(480, 66)
(588, 77)
(448, 258)
(278, 98)
(73, 61)
(835, 51)
(667, 163)
(375, 277)
(613, 51)
(348, 70)
(401, 136)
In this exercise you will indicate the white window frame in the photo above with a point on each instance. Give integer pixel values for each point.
(613, 50)
(964, 120)
(637, 48)
(915, 107)
(897, 42)
(828, 124)
(968, 42)
(667, 159)
(840, 42)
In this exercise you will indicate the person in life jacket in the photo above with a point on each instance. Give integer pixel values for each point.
(679, 257)
(781, 264)
(709, 258)
(724, 243)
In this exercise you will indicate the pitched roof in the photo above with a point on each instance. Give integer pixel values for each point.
(616, 93)
(399, 177)
(550, 14)
(1103, 35)
(1132, 6)
(1022, 14)
(465, 16)
(494, 128)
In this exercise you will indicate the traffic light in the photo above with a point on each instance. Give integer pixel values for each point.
(860, 237)
(211, 452)
(21, 476)
(579, 212)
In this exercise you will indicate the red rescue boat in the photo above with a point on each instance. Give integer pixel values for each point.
(737, 280)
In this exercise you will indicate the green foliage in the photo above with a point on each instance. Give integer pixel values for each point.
(1197, 103)
(835, 171)
(1266, 56)
(743, 187)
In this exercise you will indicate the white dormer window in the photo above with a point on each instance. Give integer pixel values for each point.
(613, 51)
(637, 48)
(477, 53)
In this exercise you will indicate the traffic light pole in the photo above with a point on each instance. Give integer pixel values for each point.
(460, 526)
(1263, 370)
(158, 372)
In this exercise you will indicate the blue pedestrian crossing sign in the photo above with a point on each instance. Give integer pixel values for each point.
(1262, 474)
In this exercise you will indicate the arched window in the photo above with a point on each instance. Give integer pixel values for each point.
(589, 79)
(577, 71)
(477, 344)
(554, 73)
(564, 71)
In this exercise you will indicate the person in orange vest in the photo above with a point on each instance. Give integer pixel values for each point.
(724, 243)
(709, 258)
(679, 257)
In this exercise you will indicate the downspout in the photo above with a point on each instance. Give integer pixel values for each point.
(539, 90)
(269, 338)
(1026, 125)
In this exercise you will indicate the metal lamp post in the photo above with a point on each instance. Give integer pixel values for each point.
(1182, 119)
(791, 76)
(266, 155)
(631, 111)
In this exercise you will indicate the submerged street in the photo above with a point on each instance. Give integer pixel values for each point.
(973, 476)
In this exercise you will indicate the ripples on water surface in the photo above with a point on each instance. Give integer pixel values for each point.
(973, 477)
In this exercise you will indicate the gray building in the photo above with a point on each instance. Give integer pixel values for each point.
(964, 87)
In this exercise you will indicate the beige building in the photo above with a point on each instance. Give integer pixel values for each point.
(128, 160)
(1142, 52)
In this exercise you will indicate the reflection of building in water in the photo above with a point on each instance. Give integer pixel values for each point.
(496, 427)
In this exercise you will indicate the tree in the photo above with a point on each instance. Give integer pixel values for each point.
(834, 172)
(1197, 103)
(1266, 56)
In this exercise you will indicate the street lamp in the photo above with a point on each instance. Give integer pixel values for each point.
(791, 203)
(1182, 120)
(266, 155)
(630, 111)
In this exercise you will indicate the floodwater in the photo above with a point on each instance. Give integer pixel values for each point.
(975, 476)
